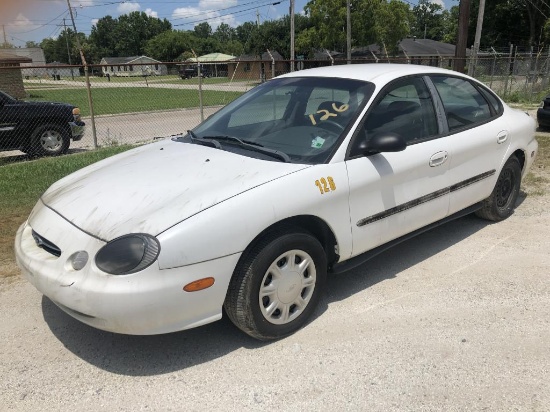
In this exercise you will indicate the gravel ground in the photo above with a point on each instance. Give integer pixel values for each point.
(456, 319)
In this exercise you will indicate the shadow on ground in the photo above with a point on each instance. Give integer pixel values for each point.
(154, 355)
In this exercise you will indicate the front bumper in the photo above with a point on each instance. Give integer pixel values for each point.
(77, 130)
(145, 303)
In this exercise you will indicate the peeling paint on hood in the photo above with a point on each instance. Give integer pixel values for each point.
(151, 188)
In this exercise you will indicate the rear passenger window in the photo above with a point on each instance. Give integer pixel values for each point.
(464, 105)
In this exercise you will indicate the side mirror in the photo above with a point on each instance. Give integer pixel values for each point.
(383, 142)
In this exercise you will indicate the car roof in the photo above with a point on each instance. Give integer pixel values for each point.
(378, 73)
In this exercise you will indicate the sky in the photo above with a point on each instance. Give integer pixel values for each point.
(34, 20)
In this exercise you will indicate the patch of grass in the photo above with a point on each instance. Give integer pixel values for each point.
(22, 184)
(537, 181)
(116, 100)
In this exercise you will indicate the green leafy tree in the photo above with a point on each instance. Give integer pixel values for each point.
(203, 30)
(169, 45)
(103, 38)
(134, 30)
(391, 24)
(224, 33)
(329, 20)
(428, 20)
(372, 21)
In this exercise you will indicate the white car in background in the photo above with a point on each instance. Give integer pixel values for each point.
(307, 174)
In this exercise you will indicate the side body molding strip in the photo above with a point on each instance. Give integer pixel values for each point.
(424, 199)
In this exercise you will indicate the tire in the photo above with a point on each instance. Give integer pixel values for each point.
(268, 296)
(502, 201)
(50, 140)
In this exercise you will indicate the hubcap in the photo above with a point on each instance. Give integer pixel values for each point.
(287, 287)
(51, 140)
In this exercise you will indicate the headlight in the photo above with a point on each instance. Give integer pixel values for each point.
(128, 254)
(76, 114)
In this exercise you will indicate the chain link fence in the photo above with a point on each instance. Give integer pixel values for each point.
(140, 103)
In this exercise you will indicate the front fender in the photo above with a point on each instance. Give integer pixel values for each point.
(229, 227)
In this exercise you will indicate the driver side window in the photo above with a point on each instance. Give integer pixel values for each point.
(405, 109)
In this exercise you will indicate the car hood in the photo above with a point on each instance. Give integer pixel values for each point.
(150, 189)
(42, 104)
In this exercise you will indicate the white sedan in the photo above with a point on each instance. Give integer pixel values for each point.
(311, 173)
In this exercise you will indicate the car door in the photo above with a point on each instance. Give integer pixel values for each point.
(478, 139)
(392, 194)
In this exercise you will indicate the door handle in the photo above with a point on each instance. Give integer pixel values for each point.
(438, 158)
(502, 137)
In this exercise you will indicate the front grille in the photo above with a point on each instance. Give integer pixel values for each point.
(45, 244)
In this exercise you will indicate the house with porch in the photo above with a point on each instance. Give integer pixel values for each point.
(132, 66)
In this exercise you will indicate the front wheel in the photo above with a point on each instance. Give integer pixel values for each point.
(502, 201)
(277, 285)
(50, 140)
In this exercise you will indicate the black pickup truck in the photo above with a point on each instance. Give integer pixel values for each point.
(38, 128)
(187, 72)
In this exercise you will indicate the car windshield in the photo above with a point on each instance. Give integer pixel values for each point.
(298, 119)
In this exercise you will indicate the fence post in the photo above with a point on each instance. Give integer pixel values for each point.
(546, 69)
(199, 75)
(493, 67)
(272, 64)
(508, 70)
(86, 72)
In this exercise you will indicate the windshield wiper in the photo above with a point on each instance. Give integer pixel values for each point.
(253, 146)
(205, 142)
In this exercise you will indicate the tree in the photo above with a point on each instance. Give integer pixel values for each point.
(428, 20)
(224, 33)
(31, 44)
(56, 49)
(391, 24)
(329, 20)
(134, 30)
(203, 30)
(372, 21)
(103, 38)
(125, 36)
(169, 45)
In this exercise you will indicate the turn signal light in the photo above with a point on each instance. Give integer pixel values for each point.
(200, 284)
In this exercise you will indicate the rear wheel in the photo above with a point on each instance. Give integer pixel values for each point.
(50, 140)
(277, 285)
(502, 201)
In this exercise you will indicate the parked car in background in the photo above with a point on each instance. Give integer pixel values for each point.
(38, 128)
(309, 174)
(543, 113)
(190, 71)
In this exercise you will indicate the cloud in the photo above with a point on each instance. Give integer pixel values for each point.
(128, 7)
(196, 15)
(216, 4)
(151, 13)
(94, 22)
(21, 22)
(439, 2)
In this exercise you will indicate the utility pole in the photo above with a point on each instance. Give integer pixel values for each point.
(257, 18)
(477, 40)
(460, 52)
(5, 45)
(68, 49)
(348, 30)
(292, 54)
(86, 72)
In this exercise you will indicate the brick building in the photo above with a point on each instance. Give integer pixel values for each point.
(11, 79)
